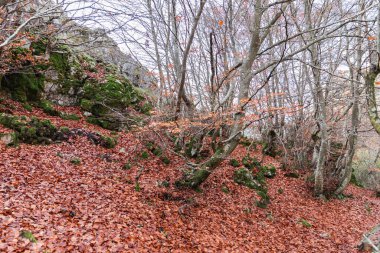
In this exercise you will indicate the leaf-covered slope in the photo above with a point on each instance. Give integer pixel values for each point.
(75, 196)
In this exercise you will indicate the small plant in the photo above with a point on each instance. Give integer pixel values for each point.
(75, 161)
(225, 189)
(127, 166)
(378, 194)
(28, 235)
(164, 183)
(247, 210)
(144, 155)
(165, 160)
(264, 199)
(280, 191)
(59, 154)
(234, 163)
(367, 207)
(305, 223)
(137, 187)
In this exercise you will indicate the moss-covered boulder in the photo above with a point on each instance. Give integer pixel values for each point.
(110, 102)
(24, 87)
(33, 131)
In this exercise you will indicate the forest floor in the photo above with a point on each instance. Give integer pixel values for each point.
(96, 205)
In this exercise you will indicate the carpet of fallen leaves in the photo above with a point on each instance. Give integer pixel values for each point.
(96, 206)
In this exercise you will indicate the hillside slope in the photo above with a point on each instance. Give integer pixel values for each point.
(79, 197)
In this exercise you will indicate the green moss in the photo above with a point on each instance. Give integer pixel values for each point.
(127, 166)
(108, 142)
(225, 189)
(60, 62)
(234, 163)
(305, 223)
(165, 160)
(137, 187)
(64, 130)
(75, 161)
(193, 179)
(268, 171)
(28, 235)
(264, 199)
(103, 122)
(24, 87)
(70, 116)
(33, 132)
(355, 181)
(48, 108)
(39, 47)
(250, 162)
(245, 177)
(86, 104)
(27, 107)
(144, 155)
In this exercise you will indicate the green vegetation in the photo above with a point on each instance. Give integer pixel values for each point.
(144, 155)
(115, 93)
(70, 116)
(23, 87)
(234, 163)
(48, 108)
(254, 176)
(27, 107)
(28, 235)
(137, 186)
(127, 166)
(305, 223)
(35, 131)
(75, 161)
(250, 162)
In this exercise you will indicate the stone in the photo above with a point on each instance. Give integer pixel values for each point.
(7, 138)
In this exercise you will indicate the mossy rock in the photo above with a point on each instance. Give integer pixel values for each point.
(245, 177)
(102, 99)
(34, 131)
(24, 87)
